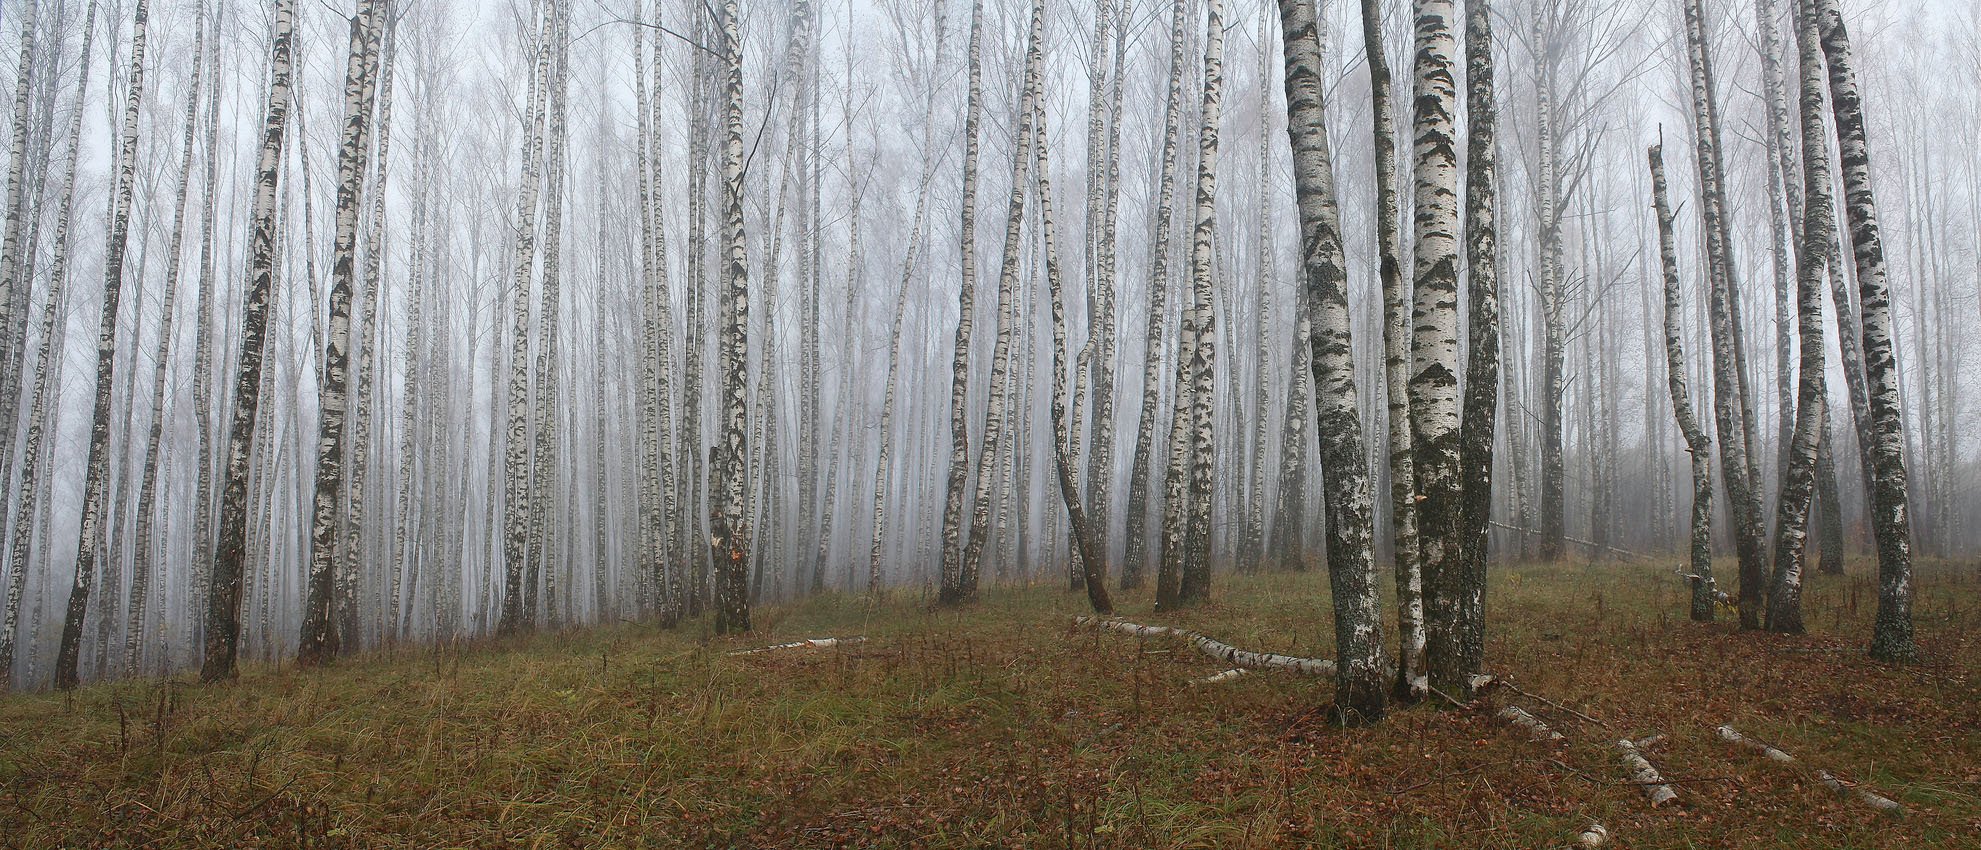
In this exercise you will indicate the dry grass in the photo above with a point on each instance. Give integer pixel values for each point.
(1001, 726)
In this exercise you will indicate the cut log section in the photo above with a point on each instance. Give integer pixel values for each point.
(1644, 775)
(814, 643)
(1594, 836)
(1536, 730)
(1219, 650)
(1847, 790)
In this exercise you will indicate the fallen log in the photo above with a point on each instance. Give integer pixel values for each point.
(1594, 836)
(814, 643)
(1847, 790)
(1225, 676)
(1644, 775)
(1214, 648)
(1536, 730)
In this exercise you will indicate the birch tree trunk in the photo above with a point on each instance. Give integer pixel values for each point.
(147, 549)
(516, 542)
(1891, 521)
(1100, 461)
(1410, 677)
(1007, 310)
(1434, 380)
(1812, 255)
(198, 573)
(46, 371)
(14, 255)
(730, 540)
(1482, 370)
(1730, 398)
(96, 473)
(952, 592)
(1697, 442)
(1087, 540)
(320, 641)
(223, 624)
(1202, 360)
(1361, 680)
(1159, 284)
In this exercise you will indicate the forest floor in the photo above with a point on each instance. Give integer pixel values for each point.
(1001, 725)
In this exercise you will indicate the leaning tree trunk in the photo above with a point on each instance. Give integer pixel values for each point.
(223, 630)
(1697, 442)
(730, 542)
(1410, 679)
(96, 475)
(320, 641)
(1482, 368)
(1891, 524)
(1435, 361)
(1159, 283)
(951, 592)
(1088, 540)
(14, 279)
(1730, 398)
(1007, 316)
(1812, 266)
(1362, 665)
(46, 374)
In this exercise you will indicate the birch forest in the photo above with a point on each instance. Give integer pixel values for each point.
(740, 393)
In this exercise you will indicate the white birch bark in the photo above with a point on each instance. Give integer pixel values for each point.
(46, 374)
(1434, 398)
(1159, 285)
(1411, 682)
(952, 592)
(96, 472)
(1362, 683)
(1007, 310)
(320, 641)
(1798, 485)
(1699, 445)
(730, 541)
(1891, 520)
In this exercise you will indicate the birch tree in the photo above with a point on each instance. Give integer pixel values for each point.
(1697, 442)
(1891, 528)
(223, 630)
(730, 541)
(966, 298)
(1362, 665)
(1479, 423)
(320, 641)
(1434, 401)
(1159, 284)
(96, 471)
(1396, 293)
(1730, 397)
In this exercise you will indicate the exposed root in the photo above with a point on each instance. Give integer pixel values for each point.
(814, 643)
(1224, 652)
(1536, 730)
(1847, 790)
(1644, 775)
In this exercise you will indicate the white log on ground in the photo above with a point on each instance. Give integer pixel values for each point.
(1535, 728)
(1214, 648)
(1594, 836)
(1848, 790)
(1644, 775)
(1221, 678)
(812, 643)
